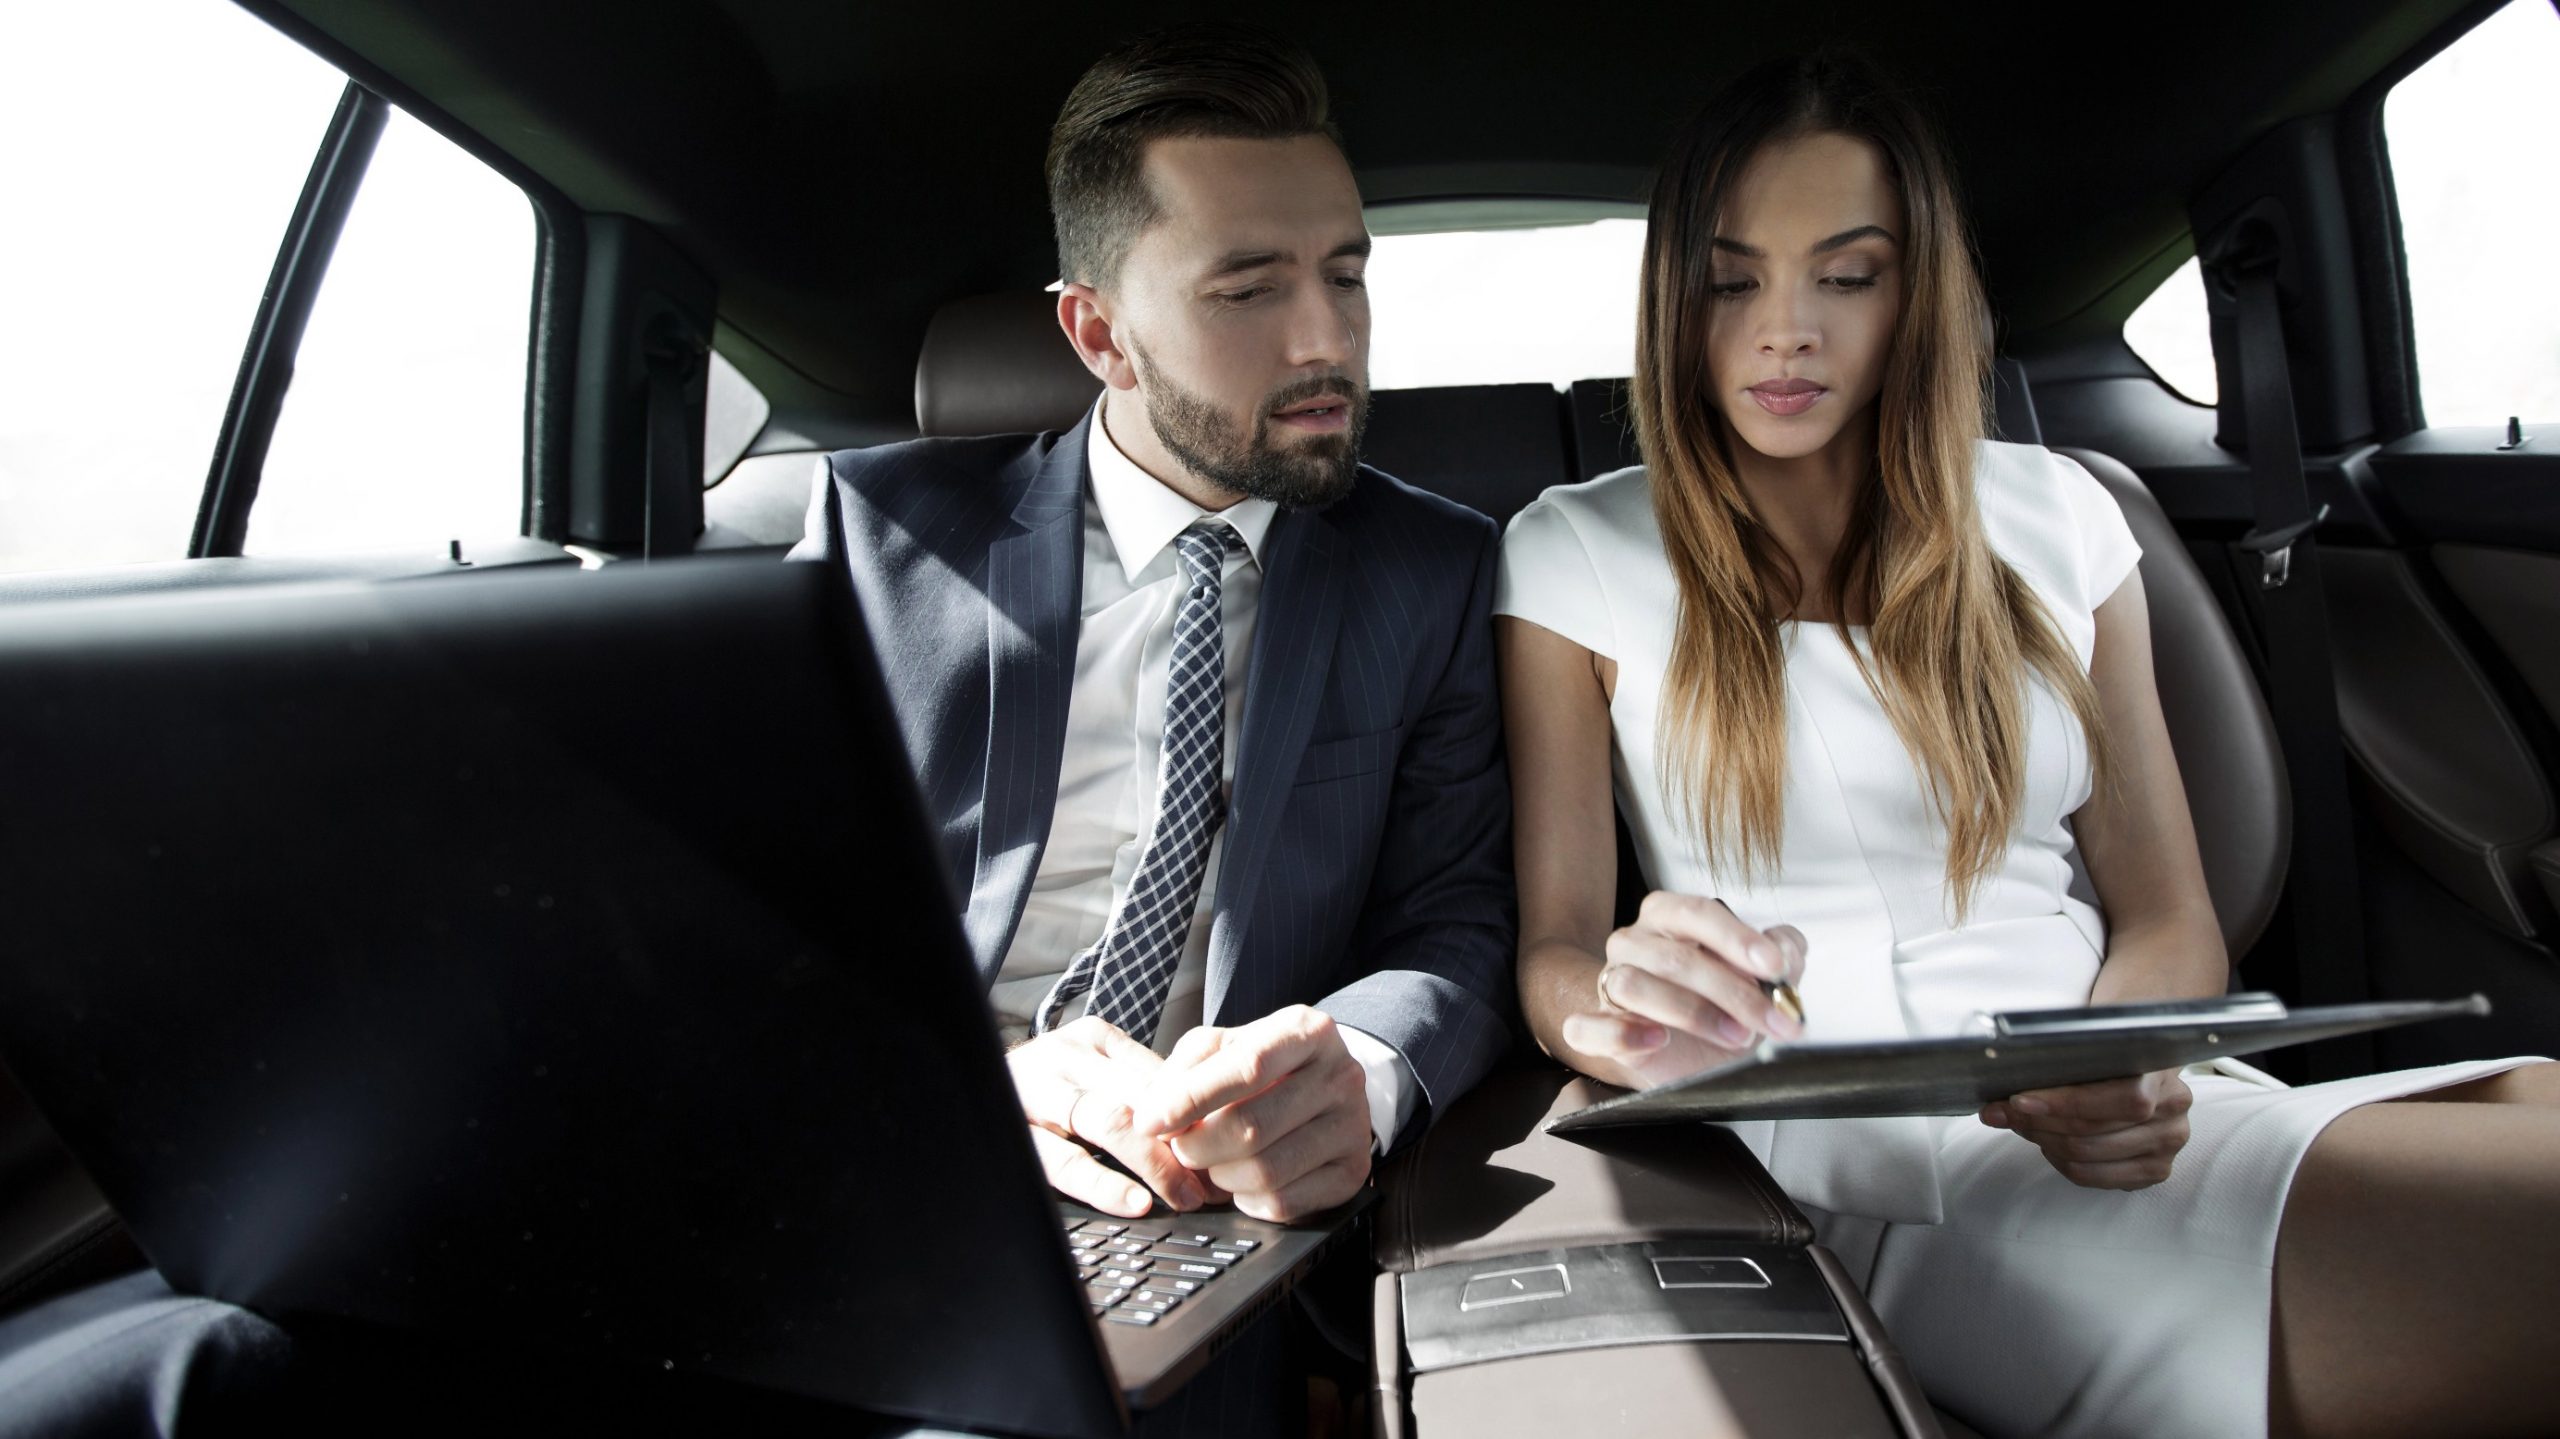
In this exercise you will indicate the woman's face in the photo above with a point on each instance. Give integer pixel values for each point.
(1807, 285)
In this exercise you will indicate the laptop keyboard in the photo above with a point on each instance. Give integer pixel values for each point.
(1136, 1274)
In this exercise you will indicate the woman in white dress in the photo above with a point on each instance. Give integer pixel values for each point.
(1876, 695)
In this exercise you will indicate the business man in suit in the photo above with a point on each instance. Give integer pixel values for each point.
(1205, 712)
(1205, 709)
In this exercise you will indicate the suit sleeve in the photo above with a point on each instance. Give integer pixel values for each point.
(1430, 969)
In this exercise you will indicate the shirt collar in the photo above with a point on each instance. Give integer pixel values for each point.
(1143, 514)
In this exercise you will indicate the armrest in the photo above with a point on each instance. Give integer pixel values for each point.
(56, 1231)
(1487, 1179)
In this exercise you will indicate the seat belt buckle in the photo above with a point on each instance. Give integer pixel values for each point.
(2274, 549)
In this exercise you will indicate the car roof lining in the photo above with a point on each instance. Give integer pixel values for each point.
(779, 143)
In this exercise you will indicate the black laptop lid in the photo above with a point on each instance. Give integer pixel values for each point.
(553, 957)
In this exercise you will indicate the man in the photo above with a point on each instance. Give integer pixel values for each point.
(1205, 710)
(1205, 713)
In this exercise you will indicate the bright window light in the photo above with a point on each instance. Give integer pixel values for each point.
(1488, 307)
(150, 153)
(2171, 333)
(405, 424)
(2472, 157)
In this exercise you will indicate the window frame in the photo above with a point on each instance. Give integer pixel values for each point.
(551, 318)
(301, 267)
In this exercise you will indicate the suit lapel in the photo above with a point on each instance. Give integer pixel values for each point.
(1035, 580)
(1300, 614)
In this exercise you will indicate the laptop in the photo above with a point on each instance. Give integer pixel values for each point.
(561, 958)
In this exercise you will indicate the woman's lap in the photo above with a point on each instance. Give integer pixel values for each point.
(2042, 1307)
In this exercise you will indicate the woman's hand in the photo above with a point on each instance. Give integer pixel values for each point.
(2114, 1134)
(1680, 989)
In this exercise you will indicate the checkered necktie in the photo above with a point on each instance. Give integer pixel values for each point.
(1131, 967)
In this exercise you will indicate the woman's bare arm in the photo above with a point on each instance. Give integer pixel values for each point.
(1672, 995)
(2163, 941)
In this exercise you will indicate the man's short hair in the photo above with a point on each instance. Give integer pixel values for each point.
(1206, 79)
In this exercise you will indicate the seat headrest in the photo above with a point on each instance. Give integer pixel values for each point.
(2013, 408)
(997, 365)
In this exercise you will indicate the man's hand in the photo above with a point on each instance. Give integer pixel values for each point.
(1275, 1112)
(2114, 1134)
(1076, 1083)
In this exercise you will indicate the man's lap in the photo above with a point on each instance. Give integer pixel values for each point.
(131, 1357)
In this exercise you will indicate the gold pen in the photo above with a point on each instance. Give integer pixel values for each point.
(1783, 996)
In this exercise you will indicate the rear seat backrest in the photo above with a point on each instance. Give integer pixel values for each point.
(2228, 758)
(997, 364)
(1604, 436)
(1492, 448)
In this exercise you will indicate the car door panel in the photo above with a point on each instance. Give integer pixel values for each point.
(2447, 680)
(2516, 597)
(2456, 786)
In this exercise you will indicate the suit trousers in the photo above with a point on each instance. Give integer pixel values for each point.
(132, 1359)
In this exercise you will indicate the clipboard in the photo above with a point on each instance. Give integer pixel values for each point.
(2002, 1054)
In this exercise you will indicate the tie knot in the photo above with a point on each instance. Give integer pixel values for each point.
(1204, 548)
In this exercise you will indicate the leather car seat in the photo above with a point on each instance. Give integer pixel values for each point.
(2228, 758)
(997, 365)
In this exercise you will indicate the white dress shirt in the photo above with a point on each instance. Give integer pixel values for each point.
(1111, 771)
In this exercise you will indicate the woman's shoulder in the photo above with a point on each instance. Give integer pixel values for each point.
(1600, 512)
(2015, 475)
(1568, 550)
(2048, 516)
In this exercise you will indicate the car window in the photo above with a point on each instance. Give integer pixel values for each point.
(2474, 136)
(405, 423)
(1445, 305)
(2172, 332)
(734, 412)
(150, 152)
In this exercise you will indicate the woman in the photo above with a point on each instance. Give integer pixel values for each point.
(1870, 689)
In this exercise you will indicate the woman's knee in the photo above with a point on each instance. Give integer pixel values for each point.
(2537, 1084)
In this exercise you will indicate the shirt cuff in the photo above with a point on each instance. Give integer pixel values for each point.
(1392, 1086)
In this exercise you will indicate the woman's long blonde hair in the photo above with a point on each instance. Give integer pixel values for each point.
(1955, 632)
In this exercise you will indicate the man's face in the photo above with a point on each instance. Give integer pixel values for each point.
(1243, 316)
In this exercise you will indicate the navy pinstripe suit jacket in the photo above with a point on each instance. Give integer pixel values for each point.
(1367, 860)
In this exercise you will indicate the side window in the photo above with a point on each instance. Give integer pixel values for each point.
(734, 412)
(2472, 141)
(749, 499)
(150, 153)
(1434, 265)
(2171, 332)
(405, 423)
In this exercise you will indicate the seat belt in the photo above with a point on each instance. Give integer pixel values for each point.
(2302, 688)
(669, 525)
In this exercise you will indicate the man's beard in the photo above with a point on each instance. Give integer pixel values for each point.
(1308, 475)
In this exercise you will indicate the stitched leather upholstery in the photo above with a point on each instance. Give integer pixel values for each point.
(2228, 757)
(998, 365)
(1487, 1179)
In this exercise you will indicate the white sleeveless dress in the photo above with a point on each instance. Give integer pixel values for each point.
(2026, 1304)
